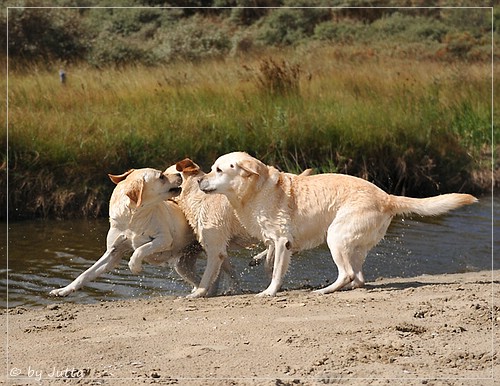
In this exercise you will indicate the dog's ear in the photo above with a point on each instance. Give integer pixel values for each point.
(307, 172)
(187, 166)
(117, 178)
(251, 166)
(135, 192)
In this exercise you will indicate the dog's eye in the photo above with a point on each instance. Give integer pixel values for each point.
(232, 166)
(218, 170)
(162, 176)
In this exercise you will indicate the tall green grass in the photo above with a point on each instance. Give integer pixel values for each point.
(416, 127)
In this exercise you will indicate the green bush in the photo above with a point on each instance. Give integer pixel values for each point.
(496, 20)
(242, 43)
(247, 12)
(423, 28)
(127, 21)
(45, 34)
(287, 26)
(459, 44)
(475, 21)
(342, 31)
(409, 28)
(112, 50)
(393, 24)
(193, 39)
(152, 35)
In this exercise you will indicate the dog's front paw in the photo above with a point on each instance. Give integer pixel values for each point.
(135, 267)
(61, 292)
(265, 294)
(198, 293)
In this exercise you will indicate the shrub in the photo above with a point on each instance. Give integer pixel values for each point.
(496, 20)
(248, 12)
(44, 34)
(459, 44)
(128, 21)
(475, 21)
(342, 31)
(361, 10)
(393, 24)
(410, 28)
(423, 28)
(241, 43)
(193, 39)
(112, 50)
(287, 26)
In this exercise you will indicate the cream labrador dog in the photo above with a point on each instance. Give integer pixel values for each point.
(215, 225)
(294, 213)
(142, 221)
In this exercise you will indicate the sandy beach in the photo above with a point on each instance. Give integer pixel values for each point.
(432, 330)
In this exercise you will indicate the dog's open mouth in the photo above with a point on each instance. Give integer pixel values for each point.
(176, 191)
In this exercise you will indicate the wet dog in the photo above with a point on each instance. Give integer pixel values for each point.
(215, 225)
(146, 223)
(293, 213)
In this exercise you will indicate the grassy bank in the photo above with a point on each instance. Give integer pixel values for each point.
(412, 127)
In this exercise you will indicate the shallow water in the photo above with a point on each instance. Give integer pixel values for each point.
(43, 255)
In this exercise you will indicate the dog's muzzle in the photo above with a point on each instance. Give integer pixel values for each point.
(204, 185)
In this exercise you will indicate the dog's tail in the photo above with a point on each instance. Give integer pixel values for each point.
(431, 206)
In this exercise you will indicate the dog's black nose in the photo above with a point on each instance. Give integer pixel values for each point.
(204, 186)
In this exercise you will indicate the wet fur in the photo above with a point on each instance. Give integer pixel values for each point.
(214, 223)
(143, 222)
(293, 213)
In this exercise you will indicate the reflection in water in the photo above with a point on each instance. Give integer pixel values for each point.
(44, 255)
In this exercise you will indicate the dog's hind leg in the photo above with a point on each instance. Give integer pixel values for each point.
(107, 262)
(229, 270)
(340, 239)
(359, 280)
(185, 266)
(210, 275)
(214, 244)
(378, 227)
(349, 243)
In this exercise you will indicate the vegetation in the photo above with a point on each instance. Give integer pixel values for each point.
(151, 35)
(401, 97)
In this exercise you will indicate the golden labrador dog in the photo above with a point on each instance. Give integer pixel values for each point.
(214, 223)
(142, 221)
(293, 213)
